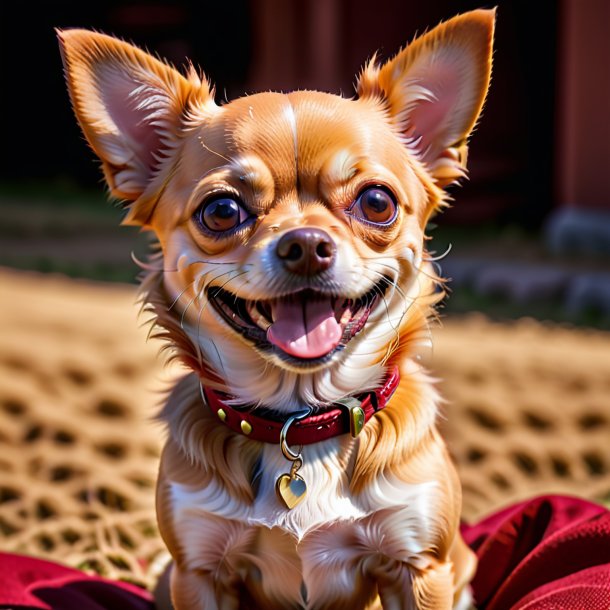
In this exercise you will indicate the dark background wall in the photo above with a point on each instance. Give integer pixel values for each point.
(45, 141)
(260, 44)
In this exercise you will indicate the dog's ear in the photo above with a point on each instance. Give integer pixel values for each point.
(434, 90)
(130, 107)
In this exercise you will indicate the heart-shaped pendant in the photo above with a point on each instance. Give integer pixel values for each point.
(290, 489)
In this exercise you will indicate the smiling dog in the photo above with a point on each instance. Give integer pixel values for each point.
(303, 468)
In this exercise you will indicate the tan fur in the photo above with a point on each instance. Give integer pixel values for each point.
(379, 526)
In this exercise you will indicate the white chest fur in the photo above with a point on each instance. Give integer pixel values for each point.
(330, 527)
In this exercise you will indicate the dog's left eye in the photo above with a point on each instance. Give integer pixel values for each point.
(221, 214)
(376, 205)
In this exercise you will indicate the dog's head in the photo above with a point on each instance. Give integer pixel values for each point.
(291, 225)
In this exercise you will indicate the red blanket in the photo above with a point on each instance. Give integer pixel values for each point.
(549, 553)
(27, 582)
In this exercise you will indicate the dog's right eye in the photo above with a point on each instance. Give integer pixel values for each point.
(221, 214)
(375, 205)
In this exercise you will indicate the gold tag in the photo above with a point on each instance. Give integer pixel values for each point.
(356, 421)
(290, 489)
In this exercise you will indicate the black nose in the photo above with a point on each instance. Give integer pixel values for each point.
(306, 251)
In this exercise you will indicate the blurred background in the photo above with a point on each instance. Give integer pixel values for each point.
(530, 230)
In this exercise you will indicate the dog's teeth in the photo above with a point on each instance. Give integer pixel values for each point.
(263, 308)
(344, 310)
(262, 322)
(257, 317)
(339, 305)
(346, 317)
(232, 315)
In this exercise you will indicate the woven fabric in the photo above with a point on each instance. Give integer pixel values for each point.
(35, 583)
(543, 554)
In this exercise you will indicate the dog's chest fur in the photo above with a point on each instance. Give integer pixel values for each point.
(332, 544)
(330, 527)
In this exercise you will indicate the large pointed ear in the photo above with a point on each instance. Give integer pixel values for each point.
(129, 105)
(434, 90)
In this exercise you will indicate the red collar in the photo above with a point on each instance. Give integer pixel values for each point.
(312, 429)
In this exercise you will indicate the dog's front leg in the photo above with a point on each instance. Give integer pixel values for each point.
(395, 586)
(404, 588)
(194, 590)
(434, 587)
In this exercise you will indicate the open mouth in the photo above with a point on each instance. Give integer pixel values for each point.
(307, 326)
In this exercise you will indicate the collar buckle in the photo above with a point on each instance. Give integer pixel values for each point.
(356, 414)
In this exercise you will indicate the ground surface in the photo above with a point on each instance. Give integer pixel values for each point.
(528, 412)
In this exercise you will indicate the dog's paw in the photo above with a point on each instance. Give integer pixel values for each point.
(465, 601)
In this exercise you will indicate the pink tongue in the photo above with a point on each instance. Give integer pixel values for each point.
(304, 330)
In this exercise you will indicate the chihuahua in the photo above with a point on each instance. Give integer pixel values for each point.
(303, 467)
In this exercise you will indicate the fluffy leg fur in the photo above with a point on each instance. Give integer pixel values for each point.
(432, 588)
(193, 590)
